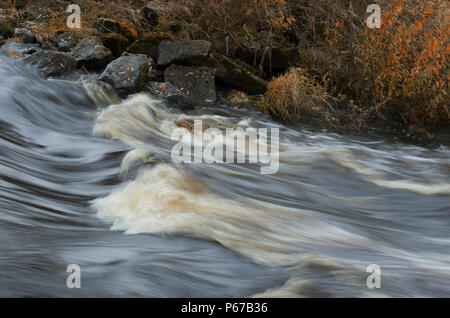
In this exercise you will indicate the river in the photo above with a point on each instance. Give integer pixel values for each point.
(87, 179)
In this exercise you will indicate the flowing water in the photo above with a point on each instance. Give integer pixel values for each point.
(87, 179)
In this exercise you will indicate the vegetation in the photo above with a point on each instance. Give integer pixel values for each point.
(400, 68)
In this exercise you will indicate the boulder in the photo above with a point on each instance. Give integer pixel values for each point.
(90, 53)
(66, 41)
(191, 52)
(196, 82)
(6, 28)
(149, 44)
(152, 11)
(103, 25)
(52, 63)
(238, 76)
(169, 93)
(25, 35)
(127, 74)
(117, 43)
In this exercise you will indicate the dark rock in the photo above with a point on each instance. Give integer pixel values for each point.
(52, 63)
(196, 82)
(48, 46)
(107, 26)
(127, 74)
(6, 28)
(149, 44)
(183, 52)
(18, 49)
(112, 26)
(90, 53)
(238, 76)
(115, 42)
(27, 36)
(129, 31)
(152, 12)
(280, 59)
(66, 41)
(173, 96)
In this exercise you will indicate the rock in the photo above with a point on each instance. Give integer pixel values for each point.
(6, 28)
(112, 26)
(236, 98)
(189, 123)
(196, 82)
(66, 41)
(27, 36)
(52, 63)
(281, 59)
(168, 92)
(152, 12)
(232, 74)
(149, 44)
(129, 31)
(107, 26)
(191, 52)
(127, 74)
(115, 42)
(90, 53)
(45, 45)
(18, 49)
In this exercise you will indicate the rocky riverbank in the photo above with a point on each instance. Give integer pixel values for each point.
(187, 73)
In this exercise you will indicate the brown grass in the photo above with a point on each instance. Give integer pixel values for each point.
(296, 94)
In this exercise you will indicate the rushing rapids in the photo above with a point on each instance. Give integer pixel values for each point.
(86, 178)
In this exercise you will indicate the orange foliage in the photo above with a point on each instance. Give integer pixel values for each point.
(407, 59)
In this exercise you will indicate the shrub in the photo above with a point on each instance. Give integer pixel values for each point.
(407, 61)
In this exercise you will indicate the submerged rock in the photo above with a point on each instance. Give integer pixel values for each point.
(117, 43)
(196, 82)
(149, 44)
(152, 12)
(127, 74)
(25, 35)
(183, 52)
(90, 53)
(66, 41)
(232, 74)
(52, 63)
(173, 96)
(18, 49)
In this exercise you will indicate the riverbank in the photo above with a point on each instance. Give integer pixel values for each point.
(278, 62)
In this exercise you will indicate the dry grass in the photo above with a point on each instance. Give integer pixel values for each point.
(296, 94)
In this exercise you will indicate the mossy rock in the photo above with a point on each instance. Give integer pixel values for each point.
(117, 43)
(149, 44)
